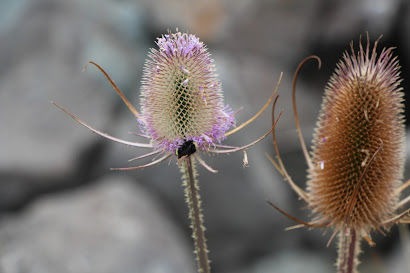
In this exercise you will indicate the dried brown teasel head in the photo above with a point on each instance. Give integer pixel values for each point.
(357, 160)
(358, 146)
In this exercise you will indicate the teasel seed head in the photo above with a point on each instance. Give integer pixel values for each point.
(358, 146)
(181, 96)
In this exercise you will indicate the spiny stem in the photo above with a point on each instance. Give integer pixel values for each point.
(349, 249)
(193, 199)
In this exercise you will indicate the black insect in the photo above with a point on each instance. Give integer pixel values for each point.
(186, 149)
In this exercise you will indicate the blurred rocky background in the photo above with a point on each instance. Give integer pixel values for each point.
(63, 210)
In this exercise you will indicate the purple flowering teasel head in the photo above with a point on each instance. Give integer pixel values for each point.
(182, 106)
(181, 96)
(182, 111)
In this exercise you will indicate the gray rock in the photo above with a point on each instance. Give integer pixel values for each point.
(277, 31)
(294, 260)
(336, 22)
(44, 53)
(110, 226)
(45, 45)
(204, 18)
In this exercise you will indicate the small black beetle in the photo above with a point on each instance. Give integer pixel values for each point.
(186, 149)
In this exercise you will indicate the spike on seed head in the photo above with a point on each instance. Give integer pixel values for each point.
(361, 162)
(181, 97)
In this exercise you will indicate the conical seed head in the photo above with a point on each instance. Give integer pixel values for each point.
(181, 96)
(362, 113)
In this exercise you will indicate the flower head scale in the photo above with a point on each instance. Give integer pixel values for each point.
(181, 104)
(181, 97)
(357, 162)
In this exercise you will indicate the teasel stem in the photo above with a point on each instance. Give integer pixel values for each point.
(193, 199)
(349, 250)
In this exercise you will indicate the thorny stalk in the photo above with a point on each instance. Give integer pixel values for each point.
(349, 250)
(193, 199)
